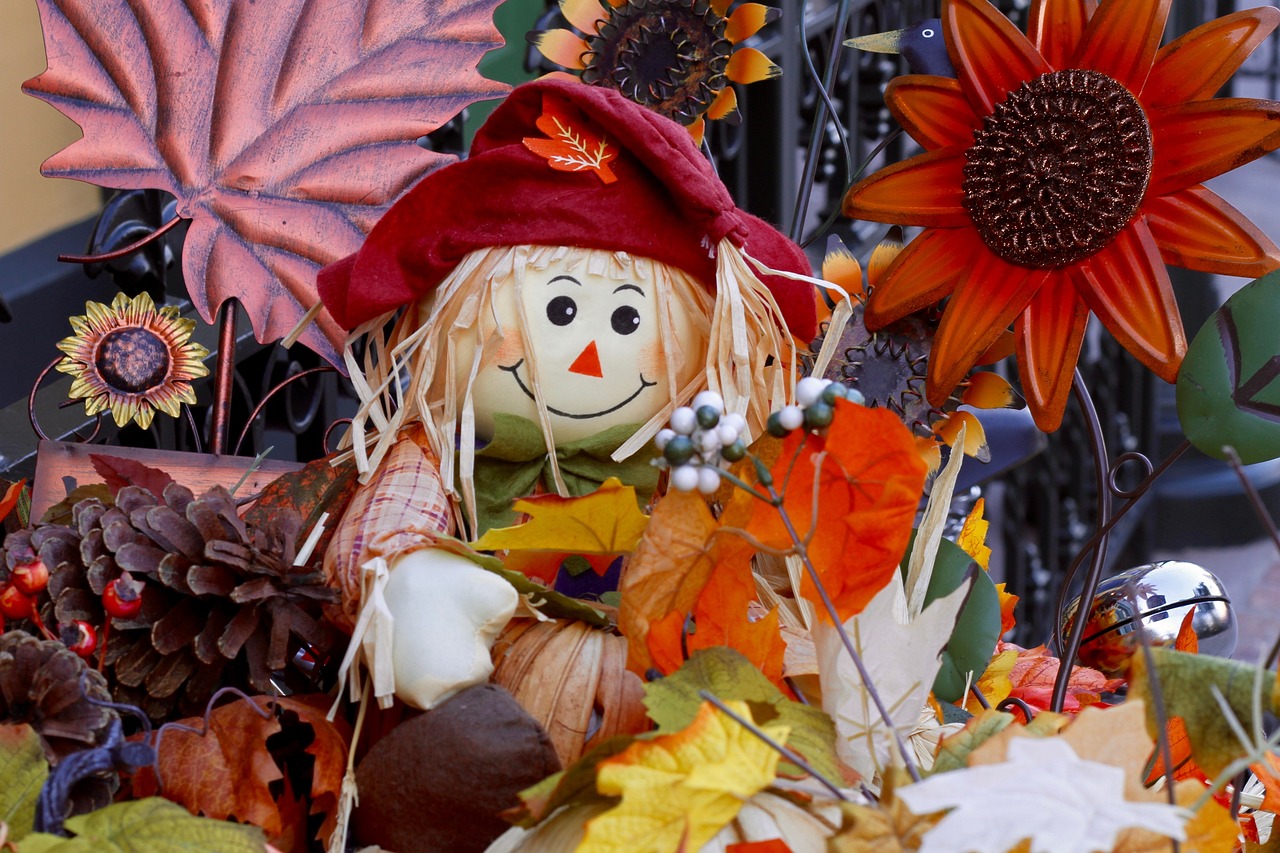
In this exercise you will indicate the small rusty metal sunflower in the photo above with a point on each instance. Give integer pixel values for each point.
(669, 55)
(676, 57)
(132, 359)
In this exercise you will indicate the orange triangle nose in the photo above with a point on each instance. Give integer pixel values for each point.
(588, 362)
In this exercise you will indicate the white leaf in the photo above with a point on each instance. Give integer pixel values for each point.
(929, 534)
(1044, 792)
(901, 659)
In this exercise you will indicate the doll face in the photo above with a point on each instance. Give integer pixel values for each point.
(599, 353)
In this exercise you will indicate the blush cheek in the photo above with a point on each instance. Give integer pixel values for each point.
(510, 349)
(650, 361)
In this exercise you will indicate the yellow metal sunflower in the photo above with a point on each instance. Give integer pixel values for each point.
(676, 57)
(132, 359)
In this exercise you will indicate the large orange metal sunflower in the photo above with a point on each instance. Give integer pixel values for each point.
(1061, 172)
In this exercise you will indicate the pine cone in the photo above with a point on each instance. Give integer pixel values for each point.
(47, 686)
(220, 599)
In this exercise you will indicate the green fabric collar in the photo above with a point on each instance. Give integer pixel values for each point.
(511, 465)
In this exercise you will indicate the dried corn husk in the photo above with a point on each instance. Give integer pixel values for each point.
(572, 678)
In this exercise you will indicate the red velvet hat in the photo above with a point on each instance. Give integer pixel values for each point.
(560, 163)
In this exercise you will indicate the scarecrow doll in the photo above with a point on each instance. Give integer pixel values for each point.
(559, 293)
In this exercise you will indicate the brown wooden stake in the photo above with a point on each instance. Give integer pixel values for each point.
(224, 376)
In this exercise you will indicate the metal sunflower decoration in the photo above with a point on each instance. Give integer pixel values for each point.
(676, 57)
(890, 366)
(132, 359)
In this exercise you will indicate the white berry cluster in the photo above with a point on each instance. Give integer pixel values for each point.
(702, 439)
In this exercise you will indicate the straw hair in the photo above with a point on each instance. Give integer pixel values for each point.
(410, 374)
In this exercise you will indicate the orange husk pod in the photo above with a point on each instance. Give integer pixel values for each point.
(573, 679)
(403, 508)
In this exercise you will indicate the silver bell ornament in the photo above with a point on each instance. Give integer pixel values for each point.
(1158, 596)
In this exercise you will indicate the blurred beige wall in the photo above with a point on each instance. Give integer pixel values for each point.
(31, 205)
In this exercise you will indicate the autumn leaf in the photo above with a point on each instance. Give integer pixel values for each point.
(992, 726)
(1187, 640)
(1008, 601)
(23, 770)
(869, 480)
(1268, 773)
(721, 617)
(283, 129)
(316, 488)
(973, 535)
(679, 790)
(1180, 752)
(607, 521)
(1035, 672)
(1187, 682)
(995, 683)
(152, 824)
(901, 660)
(887, 827)
(10, 500)
(673, 703)
(228, 772)
(118, 472)
(570, 147)
(671, 566)
(773, 845)
(1063, 802)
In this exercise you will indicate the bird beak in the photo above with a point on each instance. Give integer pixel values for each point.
(890, 42)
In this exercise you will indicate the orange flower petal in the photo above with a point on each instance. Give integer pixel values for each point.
(1056, 27)
(924, 190)
(987, 390)
(990, 294)
(1127, 286)
(747, 20)
(1203, 139)
(1122, 40)
(991, 57)
(933, 110)
(748, 65)
(1049, 334)
(1002, 348)
(582, 14)
(925, 272)
(1195, 229)
(717, 6)
(975, 437)
(698, 130)
(839, 266)
(884, 254)
(560, 46)
(1194, 67)
(725, 104)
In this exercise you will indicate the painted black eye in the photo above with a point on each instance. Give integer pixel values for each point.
(625, 320)
(562, 310)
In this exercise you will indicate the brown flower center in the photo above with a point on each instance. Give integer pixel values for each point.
(668, 55)
(132, 359)
(1059, 169)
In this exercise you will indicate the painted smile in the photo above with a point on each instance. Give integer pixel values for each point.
(513, 370)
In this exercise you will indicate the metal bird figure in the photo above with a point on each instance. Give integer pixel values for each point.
(921, 45)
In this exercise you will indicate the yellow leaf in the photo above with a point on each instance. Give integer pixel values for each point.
(679, 790)
(995, 684)
(1210, 830)
(973, 536)
(607, 521)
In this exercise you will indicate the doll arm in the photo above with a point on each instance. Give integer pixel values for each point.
(438, 612)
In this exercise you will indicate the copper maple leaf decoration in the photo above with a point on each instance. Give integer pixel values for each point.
(285, 129)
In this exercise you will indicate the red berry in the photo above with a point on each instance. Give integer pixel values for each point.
(80, 637)
(122, 599)
(30, 578)
(16, 604)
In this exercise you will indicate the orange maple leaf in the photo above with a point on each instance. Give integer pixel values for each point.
(569, 147)
(1034, 674)
(1188, 641)
(864, 478)
(1180, 752)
